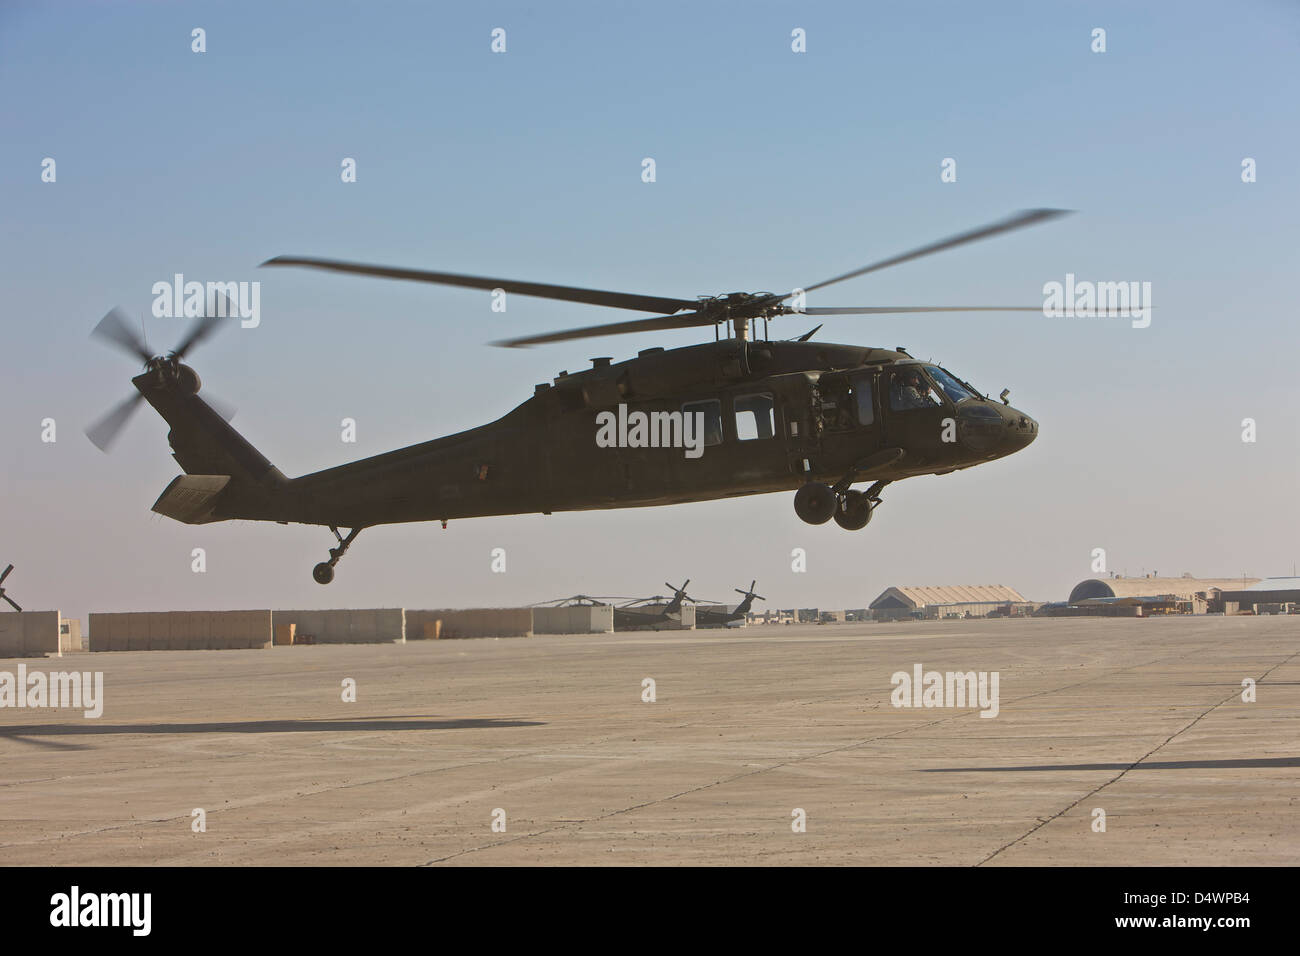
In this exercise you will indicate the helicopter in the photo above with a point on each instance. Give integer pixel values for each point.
(741, 415)
(717, 615)
(633, 614)
(651, 613)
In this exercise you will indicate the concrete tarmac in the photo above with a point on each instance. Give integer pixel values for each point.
(1143, 719)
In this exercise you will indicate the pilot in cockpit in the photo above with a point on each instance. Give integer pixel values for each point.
(910, 391)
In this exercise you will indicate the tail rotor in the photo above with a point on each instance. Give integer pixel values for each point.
(167, 369)
(11, 602)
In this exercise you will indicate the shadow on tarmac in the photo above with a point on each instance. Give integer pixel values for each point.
(353, 725)
(1243, 763)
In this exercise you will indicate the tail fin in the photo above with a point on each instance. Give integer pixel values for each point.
(203, 443)
(222, 468)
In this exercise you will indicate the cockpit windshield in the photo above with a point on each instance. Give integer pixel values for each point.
(955, 390)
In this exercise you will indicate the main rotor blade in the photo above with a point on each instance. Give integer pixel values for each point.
(890, 309)
(542, 290)
(105, 431)
(686, 320)
(5, 573)
(113, 328)
(1027, 218)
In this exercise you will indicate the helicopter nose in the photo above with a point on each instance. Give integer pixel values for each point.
(1021, 429)
(992, 431)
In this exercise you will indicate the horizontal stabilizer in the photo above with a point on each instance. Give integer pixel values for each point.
(190, 499)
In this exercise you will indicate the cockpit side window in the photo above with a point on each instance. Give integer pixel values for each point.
(955, 390)
(910, 389)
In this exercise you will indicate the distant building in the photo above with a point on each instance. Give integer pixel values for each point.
(1267, 596)
(1184, 588)
(956, 600)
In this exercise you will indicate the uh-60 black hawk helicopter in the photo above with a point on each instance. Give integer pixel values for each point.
(799, 415)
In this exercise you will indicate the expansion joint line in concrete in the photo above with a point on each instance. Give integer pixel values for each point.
(776, 766)
(1160, 746)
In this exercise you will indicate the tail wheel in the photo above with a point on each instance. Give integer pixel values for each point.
(323, 573)
(855, 511)
(815, 503)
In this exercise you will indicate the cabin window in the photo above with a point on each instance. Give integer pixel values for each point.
(712, 411)
(861, 388)
(910, 389)
(755, 416)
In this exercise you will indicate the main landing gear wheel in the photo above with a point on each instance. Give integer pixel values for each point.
(323, 573)
(854, 511)
(815, 503)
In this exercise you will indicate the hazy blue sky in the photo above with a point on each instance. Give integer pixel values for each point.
(774, 169)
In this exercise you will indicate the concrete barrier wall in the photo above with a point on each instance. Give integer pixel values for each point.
(573, 620)
(346, 626)
(180, 630)
(30, 634)
(683, 620)
(415, 624)
(473, 622)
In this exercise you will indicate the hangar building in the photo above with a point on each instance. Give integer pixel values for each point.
(956, 600)
(1269, 596)
(1183, 590)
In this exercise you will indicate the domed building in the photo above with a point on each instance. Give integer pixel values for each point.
(1183, 588)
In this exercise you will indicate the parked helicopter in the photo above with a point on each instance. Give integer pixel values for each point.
(651, 613)
(717, 615)
(762, 415)
(633, 614)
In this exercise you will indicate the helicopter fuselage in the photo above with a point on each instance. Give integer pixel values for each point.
(775, 416)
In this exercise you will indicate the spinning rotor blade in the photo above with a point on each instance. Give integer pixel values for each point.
(682, 313)
(105, 431)
(113, 328)
(1027, 218)
(5, 573)
(900, 309)
(206, 325)
(685, 320)
(12, 603)
(615, 300)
